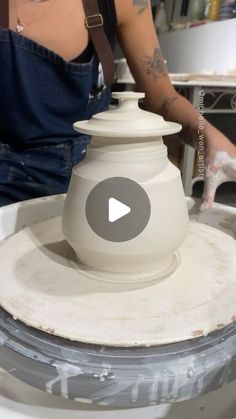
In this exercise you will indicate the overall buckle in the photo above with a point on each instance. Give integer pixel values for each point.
(94, 21)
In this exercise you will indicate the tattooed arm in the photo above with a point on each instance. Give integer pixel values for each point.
(140, 45)
(141, 4)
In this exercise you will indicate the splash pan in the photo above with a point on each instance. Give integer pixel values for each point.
(104, 375)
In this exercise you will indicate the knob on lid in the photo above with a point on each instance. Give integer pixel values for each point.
(127, 120)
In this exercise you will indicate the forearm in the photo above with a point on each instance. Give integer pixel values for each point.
(174, 107)
(196, 131)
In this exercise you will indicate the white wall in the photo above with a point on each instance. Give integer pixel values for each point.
(210, 47)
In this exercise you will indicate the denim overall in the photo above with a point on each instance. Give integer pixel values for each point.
(41, 95)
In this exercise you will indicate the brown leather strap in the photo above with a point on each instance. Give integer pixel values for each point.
(4, 13)
(94, 24)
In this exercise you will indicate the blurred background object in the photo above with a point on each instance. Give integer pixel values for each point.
(227, 8)
(214, 10)
(160, 21)
(196, 9)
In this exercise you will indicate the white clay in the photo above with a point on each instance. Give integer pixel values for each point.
(224, 170)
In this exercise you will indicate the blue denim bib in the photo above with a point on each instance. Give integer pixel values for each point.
(41, 95)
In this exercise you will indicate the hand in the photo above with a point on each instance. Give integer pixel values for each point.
(220, 164)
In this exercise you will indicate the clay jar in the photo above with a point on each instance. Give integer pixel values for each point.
(127, 141)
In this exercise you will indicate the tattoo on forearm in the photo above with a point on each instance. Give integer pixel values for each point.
(168, 102)
(154, 65)
(142, 4)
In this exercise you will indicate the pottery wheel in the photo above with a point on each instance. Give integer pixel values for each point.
(43, 286)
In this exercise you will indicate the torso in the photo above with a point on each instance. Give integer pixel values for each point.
(56, 24)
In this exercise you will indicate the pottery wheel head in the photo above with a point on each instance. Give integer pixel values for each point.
(44, 287)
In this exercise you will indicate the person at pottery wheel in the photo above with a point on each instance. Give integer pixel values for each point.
(50, 52)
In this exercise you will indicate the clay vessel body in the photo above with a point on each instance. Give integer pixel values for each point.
(141, 156)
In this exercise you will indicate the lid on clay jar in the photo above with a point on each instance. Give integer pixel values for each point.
(127, 120)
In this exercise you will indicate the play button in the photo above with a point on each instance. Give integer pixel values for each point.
(118, 209)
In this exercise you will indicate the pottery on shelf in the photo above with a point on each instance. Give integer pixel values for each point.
(127, 141)
(196, 9)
